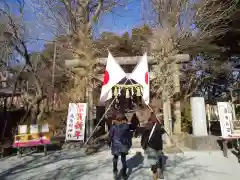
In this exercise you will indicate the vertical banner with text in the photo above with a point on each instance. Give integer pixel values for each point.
(76, 120)
(225, 117)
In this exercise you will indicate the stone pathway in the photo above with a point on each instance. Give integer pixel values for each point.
(72, 165)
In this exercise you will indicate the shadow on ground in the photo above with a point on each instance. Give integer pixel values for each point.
(187, 168)
(66, 165)
(237, 154)
(178, 167)
(58, 165)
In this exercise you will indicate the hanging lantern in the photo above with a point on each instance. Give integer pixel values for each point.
(138, 91)
(119, 91)
(127, 93)
(132, 90)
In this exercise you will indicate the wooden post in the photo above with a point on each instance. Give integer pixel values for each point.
(5, 115)
(19, 152)
(225, 147)
(1, 151)
(90, 109)
(45, 149)
(89, 100)
(53, 75)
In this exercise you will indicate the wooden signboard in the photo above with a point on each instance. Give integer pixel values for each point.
(38, 135)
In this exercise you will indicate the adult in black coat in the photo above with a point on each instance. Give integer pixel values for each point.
(153, 145)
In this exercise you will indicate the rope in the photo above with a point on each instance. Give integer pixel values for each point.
(108, 110)
(172, 141)
(102, 117)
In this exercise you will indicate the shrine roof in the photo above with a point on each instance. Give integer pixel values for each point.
(7, 92)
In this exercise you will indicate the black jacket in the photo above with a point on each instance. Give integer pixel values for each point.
(155, 141)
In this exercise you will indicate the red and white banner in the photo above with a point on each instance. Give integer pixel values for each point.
(112, 75)
(141, 75)
(76, 120)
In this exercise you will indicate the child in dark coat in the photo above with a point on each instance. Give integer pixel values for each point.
(120, 138)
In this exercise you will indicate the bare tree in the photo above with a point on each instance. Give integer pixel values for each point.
(186, 27)
(76, 19)
(13, 42)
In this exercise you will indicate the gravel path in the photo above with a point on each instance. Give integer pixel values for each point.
(71, 165)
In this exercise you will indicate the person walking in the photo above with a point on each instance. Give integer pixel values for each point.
(152, 143)
(120, 139)
(135, 125)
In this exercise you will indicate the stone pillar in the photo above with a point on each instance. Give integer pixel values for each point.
(167, 117)
(177, 108)
(198, 111)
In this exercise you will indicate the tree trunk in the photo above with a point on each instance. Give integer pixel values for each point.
(33, 114)
(33, 111)
(41, 110)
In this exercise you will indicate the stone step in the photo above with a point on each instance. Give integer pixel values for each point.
(202, 143)
(175, 148)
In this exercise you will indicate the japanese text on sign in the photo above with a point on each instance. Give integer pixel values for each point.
(225, 117)
(77, 114)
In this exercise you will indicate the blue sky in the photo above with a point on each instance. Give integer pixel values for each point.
(122, 19)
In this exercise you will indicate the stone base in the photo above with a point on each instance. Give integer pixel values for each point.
(202, 142)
